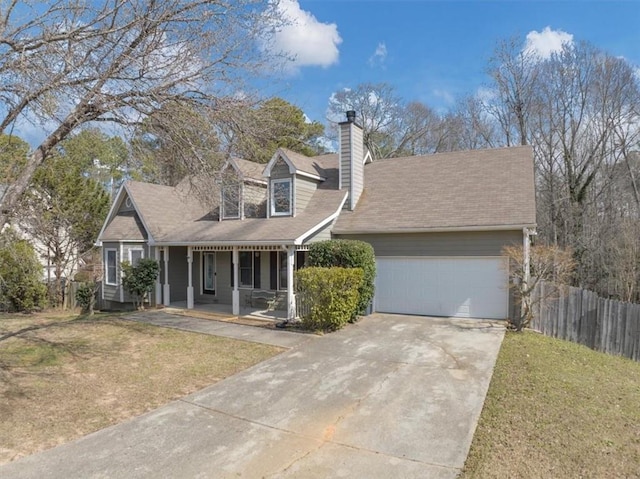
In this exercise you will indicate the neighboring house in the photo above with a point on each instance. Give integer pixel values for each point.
(45, 255)
(437, 223)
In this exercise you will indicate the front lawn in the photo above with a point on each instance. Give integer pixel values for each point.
(558, 409)
(68, 376)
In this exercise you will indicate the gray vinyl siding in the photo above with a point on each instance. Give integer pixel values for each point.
(123, 205)
(178, 273)
(304, 190)
(357, 181)
(111, 292)
(351, 150)
(471, 243)
(223, 277)
(280, 170)
(345, 155)
(323, 234)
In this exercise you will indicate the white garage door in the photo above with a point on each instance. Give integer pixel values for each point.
(464, 287)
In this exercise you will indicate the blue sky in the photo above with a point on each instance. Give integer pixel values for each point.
(432, 51)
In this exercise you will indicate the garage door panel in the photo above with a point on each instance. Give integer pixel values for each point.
(465, 287)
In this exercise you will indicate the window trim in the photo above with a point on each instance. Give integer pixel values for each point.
(106, 266)
(252, 268)
(289, 181)
(224, 215)
(131, 250)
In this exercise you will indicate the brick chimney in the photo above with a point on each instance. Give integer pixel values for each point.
(351, 148)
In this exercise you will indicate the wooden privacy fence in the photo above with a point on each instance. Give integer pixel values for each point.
(581, 316)
(70, 295)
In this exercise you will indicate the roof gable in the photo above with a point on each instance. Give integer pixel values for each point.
(298, 164)
(247, 170)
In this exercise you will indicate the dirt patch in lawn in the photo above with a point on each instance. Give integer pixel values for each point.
(558, 409)
(68, 376)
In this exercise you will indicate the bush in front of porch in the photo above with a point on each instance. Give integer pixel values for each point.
(348, 254)
(332, 295)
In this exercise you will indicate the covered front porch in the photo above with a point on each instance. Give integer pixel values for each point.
(241, 280)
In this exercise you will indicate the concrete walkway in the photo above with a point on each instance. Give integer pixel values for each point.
(391, 396)
(282, 338)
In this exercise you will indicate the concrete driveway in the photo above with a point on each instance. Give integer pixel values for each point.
(391, 396)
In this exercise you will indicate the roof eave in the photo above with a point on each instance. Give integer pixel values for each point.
(288, 242)
(300, 239)
(447, 229)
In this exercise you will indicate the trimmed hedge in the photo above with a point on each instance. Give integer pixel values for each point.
(348, 254)
(331, 295)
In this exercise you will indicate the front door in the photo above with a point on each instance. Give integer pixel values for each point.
(209, 273)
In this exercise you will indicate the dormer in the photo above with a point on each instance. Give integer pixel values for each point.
(292, 179)
(243, 190)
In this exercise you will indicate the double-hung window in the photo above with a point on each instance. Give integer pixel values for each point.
(281, 197)
(231, 200)
(246, 269)
(135, 255)
(111, 267)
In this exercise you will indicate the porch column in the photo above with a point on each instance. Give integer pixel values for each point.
(166, 296)
(291, 298)
(158, 294)
(235, 294)
(190, 279)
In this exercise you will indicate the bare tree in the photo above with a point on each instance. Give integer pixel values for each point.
(391, 127)
(69, 62)
(378, 110)
(578, 107)
(545, 263)
(514, 72)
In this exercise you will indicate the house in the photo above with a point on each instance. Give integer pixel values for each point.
(437, 224)
(43, 251)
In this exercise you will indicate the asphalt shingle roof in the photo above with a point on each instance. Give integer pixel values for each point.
(480, 189)
(464, 189)
(124, 226)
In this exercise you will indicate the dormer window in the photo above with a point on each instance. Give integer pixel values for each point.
(281, 197)
(231, 200)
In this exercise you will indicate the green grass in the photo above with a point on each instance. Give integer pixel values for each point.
(73, 376)
(558, 409)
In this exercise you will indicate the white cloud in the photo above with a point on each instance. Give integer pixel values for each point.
(303, 38)
(379, 56)
(547, 41)
(444, 95)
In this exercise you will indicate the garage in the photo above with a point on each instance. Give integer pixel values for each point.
(469, 287)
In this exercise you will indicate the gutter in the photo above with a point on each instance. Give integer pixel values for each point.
(518, 227)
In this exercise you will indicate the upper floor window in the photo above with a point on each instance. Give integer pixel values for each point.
(281, 197)
(231, 200)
